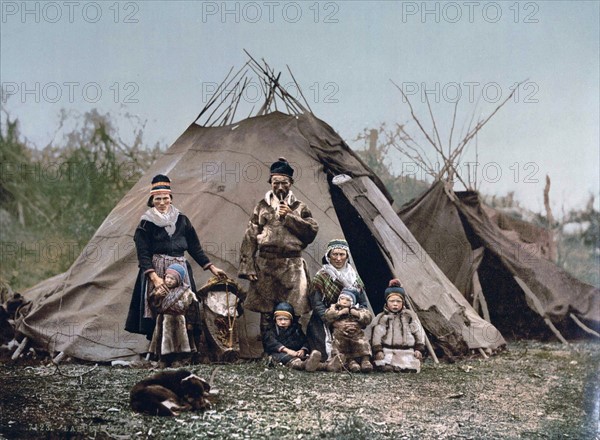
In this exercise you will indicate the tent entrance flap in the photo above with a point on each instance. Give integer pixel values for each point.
(368, 259)
(444, 312)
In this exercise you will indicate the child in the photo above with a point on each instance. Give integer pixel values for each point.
(285, 341)
(173, 341)
(348, 320)
(398, 337)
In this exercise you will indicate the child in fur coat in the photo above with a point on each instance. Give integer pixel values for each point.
(350, 345)
(398, 337)
(173, 340)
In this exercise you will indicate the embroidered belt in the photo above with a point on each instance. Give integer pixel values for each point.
(264, 253)
(396, 347)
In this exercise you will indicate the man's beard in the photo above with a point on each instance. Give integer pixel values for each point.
(281, 194)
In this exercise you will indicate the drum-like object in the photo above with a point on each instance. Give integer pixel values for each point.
(221, 306)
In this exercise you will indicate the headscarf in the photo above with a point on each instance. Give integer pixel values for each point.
(166, 220)
(347, 276)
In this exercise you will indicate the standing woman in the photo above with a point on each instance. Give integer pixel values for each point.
(161, 239)
(335, 274)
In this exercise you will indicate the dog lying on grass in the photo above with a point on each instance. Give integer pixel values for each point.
(169, 392)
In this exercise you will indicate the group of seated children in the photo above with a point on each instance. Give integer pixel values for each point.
(396, 342)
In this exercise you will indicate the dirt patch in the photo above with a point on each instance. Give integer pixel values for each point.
(532, 391)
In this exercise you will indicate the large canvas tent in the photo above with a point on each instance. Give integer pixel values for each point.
(219, 170)
(520, 286)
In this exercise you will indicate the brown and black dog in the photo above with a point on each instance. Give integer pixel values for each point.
(169, 392)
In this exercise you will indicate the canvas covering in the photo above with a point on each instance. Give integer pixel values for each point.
(457, 233)
(218, 174)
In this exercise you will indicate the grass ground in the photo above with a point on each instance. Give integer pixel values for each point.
(532, 391)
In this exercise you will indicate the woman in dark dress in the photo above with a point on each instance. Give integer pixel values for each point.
(161, 239)
(335, 274)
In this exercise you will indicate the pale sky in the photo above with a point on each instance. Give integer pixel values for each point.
(158, 60)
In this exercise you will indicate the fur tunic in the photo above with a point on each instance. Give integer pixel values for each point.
(349, 339)
(325, 292)
(272, 250)
(397, 335)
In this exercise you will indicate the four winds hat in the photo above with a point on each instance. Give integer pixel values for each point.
(160, 183)
(282, 168)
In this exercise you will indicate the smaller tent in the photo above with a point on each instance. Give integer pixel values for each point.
(524, 291)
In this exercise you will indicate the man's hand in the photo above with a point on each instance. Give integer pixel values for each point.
(283, 210)
(252, 278)
(378, 356)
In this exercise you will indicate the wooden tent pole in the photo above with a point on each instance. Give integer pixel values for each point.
(427, 341)
(584, 327)
(481, 297)
(540, 309)
(20, 348)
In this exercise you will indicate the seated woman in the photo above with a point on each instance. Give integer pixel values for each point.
(335, 274)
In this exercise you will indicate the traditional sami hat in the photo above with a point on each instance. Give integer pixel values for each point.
(350, 293)
(160, 183)
(395, 288)
(176, 270)
(284, 309)
(282, 168)
(337, 243)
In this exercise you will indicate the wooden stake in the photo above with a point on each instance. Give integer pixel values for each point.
(540, 309)
(59, 357)
(20, 348)
(584, 327)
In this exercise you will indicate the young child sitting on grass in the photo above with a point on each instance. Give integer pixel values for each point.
(350, 345)
(398, 339)
(286, 343)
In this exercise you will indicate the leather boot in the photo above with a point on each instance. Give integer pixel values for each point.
(312, 363)
(334, 365)
(353, 366)
(365, 365)
(296, 364)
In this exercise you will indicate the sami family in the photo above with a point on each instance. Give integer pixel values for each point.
(341, 334)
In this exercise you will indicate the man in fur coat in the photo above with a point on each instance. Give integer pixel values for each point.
(281, 226)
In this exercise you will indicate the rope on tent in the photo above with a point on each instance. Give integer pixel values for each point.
(540, 308)
(584, 327)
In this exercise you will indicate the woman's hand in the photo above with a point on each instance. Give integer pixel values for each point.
(159, 283)
(418, 354)
(219, 273)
